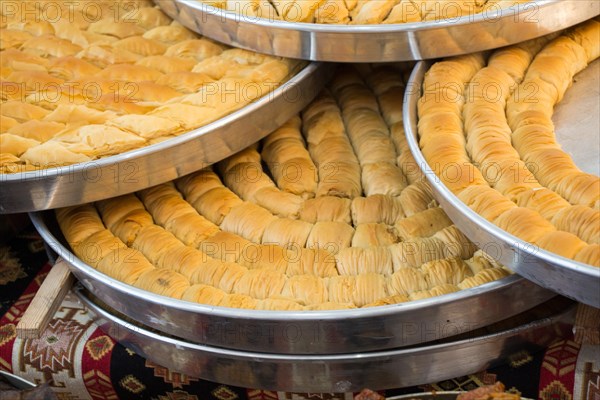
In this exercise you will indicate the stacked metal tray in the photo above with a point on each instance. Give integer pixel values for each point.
(343, 350)
(305, 332)
(384, 42)
(155, 164)
(531, 331)
(576, 118)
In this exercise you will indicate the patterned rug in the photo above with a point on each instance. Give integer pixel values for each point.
(81, 362)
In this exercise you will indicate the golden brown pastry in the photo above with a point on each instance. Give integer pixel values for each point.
(377, 209)
(356, 260)
(284, 152)
(422, 224)
(227, 238)
(287, 233)
(374, 235)
(330, 236)
(134, 62)
(248, 220)
(79, 222)
(124, 264)
(164, 282)
(405, 281)
(326, 208)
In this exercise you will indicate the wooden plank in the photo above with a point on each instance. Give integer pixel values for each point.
(46, 301)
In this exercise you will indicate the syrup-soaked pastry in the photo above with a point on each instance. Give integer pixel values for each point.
(237, 300)
(124, 264)
(405, 281)
(326, 208)
(422, 224)
(316, 262)
(22, 112)
(386, 301)
(417, 252)
(154, 242)
(226, 246)
(287, 232)
(7, 124)
(552, 72)
(285, 154)
(590, 254)
(547, 203)
(481, 261)
(373, 235)
(216, 203)
(562, 243)
(133, 62)
(338, 167)
(195, 185)
(125, 216)
(330, 236)
(260, 247)
(247, 220)
(261, 283)
(586, 36)
(41, 131)
(488, 203)
(204, 294)
(579, 220)
(232, 274)
(383, 178)
(358, 290)
(405, 11)
(483, 276)
(96, 246)
(266, 256)
(164, 282)
(436, 291)
(16, 145)
(524, 223)
(308, 289)
(79, 222)
(376, 209)
(280, 203)
(415, 198)
(356, 260)
(443, 271)
(456, 244)
(281, 304)
(332, 12)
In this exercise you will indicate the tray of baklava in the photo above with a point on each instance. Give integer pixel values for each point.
(496, 344)
(105, 100)
(375, 31)
(509, 141)
(322, 238)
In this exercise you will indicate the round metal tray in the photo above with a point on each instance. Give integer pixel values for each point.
(384, 42)
(340, 372)
(305, 332)
(559, 274)
(162, 162)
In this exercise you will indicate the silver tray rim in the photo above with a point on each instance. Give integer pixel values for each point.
(316, 33)
(17, 381)
(359, 359)
(38, 178)
(380, 311)
(577, 270)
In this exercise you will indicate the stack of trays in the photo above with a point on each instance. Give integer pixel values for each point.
(399, 284)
